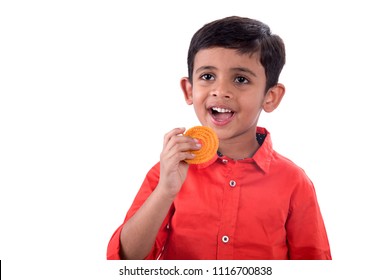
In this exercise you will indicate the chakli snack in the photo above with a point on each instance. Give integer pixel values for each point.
(209, 140)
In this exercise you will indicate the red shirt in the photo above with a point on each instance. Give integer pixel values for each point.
(264, 207)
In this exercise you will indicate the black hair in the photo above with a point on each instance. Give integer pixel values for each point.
(247, 36)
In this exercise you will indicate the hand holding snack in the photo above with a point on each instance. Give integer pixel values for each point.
(209, 140)
(197, 145)
(177, 149)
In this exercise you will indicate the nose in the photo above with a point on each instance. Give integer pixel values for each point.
(222, 90)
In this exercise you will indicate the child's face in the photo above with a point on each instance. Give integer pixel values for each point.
(227, 91)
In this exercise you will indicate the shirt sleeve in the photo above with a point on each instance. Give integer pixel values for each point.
(306, 234)
(148, 186)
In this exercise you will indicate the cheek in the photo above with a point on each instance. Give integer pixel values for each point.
(252, 104)
(198, 99)
(198, 103)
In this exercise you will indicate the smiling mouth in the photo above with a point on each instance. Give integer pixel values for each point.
(221, 114)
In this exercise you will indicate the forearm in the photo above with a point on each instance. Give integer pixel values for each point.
(139, 233)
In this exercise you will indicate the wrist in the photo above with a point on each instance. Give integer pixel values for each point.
(165, 193)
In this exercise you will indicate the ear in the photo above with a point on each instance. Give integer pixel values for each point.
(273, 98)
(186, 87)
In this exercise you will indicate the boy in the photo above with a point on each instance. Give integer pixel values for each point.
(248, 202)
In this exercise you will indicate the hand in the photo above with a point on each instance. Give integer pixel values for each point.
(173, 168)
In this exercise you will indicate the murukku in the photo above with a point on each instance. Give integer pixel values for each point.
(209, 140)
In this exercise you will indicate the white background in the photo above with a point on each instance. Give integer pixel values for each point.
(89, 88)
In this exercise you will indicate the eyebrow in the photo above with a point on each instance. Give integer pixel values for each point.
(245, 70)
(202, 68)
(239, 69)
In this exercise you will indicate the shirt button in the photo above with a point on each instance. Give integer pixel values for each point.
(225, 161)
(232, 183)
(225, 239)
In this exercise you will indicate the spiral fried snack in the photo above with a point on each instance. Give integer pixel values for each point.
(209, 140)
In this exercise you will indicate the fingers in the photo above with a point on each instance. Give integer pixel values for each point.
(179, 146)
(173, 132)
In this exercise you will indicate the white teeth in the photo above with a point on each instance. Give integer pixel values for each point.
(221, 110)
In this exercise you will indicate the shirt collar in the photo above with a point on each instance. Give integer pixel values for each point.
(262, 157)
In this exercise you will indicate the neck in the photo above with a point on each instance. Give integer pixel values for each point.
(239, 148)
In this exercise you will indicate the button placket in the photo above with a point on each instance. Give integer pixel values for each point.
(231, 197)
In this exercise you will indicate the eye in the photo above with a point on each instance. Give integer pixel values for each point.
(207, 77)
(241, 80)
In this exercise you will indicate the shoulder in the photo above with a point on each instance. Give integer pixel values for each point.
(288, 169)
(301, 186)
(282, 160)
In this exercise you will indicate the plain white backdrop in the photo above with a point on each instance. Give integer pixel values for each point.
(89, 88)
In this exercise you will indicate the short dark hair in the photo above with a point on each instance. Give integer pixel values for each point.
(247, 36)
